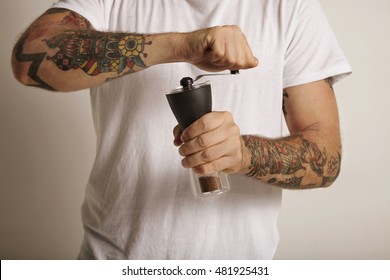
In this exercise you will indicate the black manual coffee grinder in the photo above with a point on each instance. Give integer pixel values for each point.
(189, 103)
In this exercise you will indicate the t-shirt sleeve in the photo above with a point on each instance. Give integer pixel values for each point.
(312, 52)
(92, 10)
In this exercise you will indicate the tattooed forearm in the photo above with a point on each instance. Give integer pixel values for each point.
(96, 53)
(293, 162)
(76, 46)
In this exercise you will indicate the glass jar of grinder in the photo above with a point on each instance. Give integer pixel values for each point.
(189, 103)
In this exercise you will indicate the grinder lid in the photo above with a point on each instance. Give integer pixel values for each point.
(187, 84)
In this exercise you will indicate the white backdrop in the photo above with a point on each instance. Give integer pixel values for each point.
(47, 146)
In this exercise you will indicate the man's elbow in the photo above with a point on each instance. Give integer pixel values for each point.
(324, 180)
(25, 75)
(25, 67)
(20, 71)
(328, 180)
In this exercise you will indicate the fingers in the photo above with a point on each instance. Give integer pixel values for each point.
(176, 134)
(215, 158)
(205, 124)
(229, 49)
(203, 141)
(219, 48)
(222, 164)
(213, 143)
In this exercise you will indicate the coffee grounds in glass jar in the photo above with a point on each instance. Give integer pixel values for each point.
(209, 183)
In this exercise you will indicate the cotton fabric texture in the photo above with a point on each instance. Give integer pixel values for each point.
(138, 202)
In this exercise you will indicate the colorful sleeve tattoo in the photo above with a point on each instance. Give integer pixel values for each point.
(97, 53)
(84, 48)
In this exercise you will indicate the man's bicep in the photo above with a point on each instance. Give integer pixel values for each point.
(311, 106)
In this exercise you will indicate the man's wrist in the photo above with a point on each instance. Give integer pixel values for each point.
(166, 48)
(246, 157)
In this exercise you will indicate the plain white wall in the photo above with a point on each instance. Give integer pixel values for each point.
(47, 147)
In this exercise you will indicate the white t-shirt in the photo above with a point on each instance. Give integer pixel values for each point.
(138, 201)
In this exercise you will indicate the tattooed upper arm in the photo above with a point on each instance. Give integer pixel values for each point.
(310, 104)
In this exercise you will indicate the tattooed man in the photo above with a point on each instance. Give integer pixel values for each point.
(130, 53)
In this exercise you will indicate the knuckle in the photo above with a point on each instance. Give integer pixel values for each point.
(206, 155)
(227, 115)
(236, 28)
(240, 63)
(218, 55)
(230, 62)
(202, 141)
(202, 123)
(218, 28)
(186, 135)
(216, 165)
